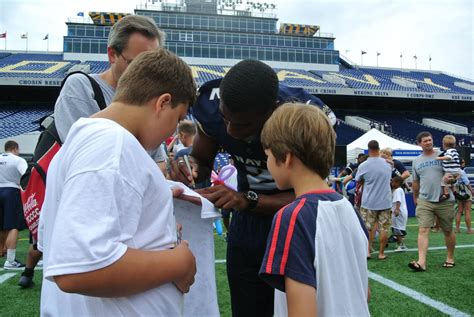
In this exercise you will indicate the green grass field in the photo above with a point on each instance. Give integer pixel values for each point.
(451, 287)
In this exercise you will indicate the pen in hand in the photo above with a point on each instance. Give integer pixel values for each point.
(186, 161)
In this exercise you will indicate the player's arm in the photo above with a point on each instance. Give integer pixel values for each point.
(223, 197)
(201, 160)
(135, 272)
(301, 298)
(204, 151)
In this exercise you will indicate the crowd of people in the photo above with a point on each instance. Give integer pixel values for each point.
(107, 231)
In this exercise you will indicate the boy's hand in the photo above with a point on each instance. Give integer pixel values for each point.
(224, 197)
(189, 262)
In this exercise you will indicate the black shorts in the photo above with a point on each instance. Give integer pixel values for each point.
(11, 209)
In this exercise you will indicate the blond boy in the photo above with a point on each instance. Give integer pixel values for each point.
(451, 167)
(317, 246)
(107, 227)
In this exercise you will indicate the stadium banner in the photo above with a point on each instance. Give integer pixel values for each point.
(411, 153)
(309, 86)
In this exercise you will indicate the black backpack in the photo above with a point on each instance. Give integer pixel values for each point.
(33, 182)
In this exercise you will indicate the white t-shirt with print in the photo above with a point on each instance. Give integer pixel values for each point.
(104, 195)
(399, 222)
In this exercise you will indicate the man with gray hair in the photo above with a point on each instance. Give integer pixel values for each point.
(376, 203)
(129, 37)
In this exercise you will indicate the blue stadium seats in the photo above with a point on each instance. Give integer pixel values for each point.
(97, 66)
(17, 57)
(16, 120)
(425, 81)
(3, 55)
(346, 133)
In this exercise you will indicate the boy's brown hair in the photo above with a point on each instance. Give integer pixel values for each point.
(449, 140)
(154, 73)
(304, 131)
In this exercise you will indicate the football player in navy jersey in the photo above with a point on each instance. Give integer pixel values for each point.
(231, 113)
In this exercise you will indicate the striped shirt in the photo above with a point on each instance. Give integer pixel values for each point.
(453, 165)
(321, 241)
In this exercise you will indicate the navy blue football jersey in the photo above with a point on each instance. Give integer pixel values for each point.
(249, 157)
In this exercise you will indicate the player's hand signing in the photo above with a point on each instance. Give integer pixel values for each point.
(178, 170)
(224, 197)
(189, 264)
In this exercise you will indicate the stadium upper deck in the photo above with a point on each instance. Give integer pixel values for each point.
(22, 69)
(213, 35)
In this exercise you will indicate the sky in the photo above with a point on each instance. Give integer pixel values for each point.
(442, 29)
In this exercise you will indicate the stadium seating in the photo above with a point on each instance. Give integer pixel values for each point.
(3, 55)
(426, 81)
(346, 133)
(16, 120)
(97, 66)
(35, 69)
(18, 57)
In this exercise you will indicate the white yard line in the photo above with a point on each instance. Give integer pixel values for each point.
(5, 277)
(432, 248)
(463, 246)
(446, 309)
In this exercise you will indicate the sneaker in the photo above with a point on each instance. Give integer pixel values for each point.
(14, 265)
(26, 281)
(401, 248)
(40, 263)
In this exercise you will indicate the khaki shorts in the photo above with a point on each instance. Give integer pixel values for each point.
(382, 217)
(426, 211)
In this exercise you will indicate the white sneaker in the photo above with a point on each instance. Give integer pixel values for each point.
(40, 263)
(400, 248)
(14, 265)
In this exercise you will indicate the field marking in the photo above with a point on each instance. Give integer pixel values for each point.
(446, 309)
(429, 249)
(6, 277)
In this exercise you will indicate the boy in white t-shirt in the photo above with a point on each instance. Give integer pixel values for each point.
(107, 227)
(399, 213)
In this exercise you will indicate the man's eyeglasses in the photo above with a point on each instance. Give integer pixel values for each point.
(128, 61)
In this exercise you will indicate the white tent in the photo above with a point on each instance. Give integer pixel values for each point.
(400, 150)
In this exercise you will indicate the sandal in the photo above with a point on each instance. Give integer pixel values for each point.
(383, 258)
(415, 266)
(449, 265)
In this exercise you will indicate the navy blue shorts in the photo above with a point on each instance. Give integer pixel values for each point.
(11, 209)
